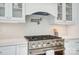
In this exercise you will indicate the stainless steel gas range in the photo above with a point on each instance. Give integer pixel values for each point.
(40, 44)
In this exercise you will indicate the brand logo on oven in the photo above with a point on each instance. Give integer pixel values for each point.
(36, 20)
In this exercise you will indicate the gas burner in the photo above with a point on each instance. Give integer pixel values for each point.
(41, 37)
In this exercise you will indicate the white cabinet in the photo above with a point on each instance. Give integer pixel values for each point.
(18, 12)
(72, 47)
(22, 49)
(65, 13)
(18, 49)
(3, 11)
(69, 48)
(7, 50)
(12, 12)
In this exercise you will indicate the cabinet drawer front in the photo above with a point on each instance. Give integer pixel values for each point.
(7, 50)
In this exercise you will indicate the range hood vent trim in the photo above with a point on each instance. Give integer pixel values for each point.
(41, 13)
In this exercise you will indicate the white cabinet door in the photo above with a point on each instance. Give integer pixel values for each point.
(64, 13)
(12, 12)
(3, 10)
(17, 12)
(72, 47)
(22, 49)
(60, 15)
(71, 13)
(67, 13)
(7, 50)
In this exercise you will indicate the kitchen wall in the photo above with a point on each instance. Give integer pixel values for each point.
(12, 30)
(73, 31)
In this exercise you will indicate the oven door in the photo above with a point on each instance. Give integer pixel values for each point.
(41, 52)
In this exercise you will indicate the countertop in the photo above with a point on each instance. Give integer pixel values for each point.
(14, 41)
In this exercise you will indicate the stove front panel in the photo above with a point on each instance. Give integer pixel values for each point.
(45, 43)
(40, 47)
